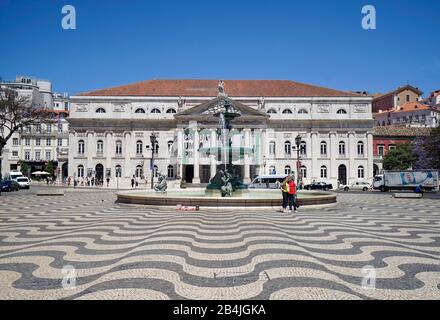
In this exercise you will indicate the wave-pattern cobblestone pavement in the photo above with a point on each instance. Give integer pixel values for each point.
(133, 252)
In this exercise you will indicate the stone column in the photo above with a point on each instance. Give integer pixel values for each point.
(91, 151)
(333, 155)
(213, 161)
(180, 151)
(128, 151)
(247, 167)
(352, 153)
(73, 152)
(315, 149)
(196, 178)
(108, 153)
(370, 170)
(264, 154)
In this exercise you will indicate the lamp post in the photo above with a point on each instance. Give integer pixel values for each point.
(298, 140)
(153, 140)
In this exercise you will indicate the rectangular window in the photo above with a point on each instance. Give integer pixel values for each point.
(15, 153)
(27, 155)
(392, 147)
(49, 128)
(60, 127)
(48, 142)
(27, 141)
(37, 155)
(15, 141)
(380, 150)
(47, 155)
(37, 141)
(60, 142)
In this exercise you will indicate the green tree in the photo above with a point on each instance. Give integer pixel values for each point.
(24, 168)
(50, 167)
(400, 158)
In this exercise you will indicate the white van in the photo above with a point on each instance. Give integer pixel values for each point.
(13, 175)
(267, 182)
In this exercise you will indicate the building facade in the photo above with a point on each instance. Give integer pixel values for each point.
(39, 144)
(110, 131)
(412, 114)
(387, 138)
(395, 98)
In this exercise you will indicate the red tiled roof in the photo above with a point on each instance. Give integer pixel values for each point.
(398, 90)
(400, 131)
(208, 88)
(408, 107)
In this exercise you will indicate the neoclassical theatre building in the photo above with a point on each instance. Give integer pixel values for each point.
(111, 129)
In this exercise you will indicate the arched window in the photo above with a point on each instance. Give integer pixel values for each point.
(303, 111)
(156, 171)
(360, 148)
(170, 146)
(100, 147)
(272, 170)
(155, 110)
(342, 148)
(323, 172)
(323, 148)
(361, 172)
(287, 170)
(100, 110)
(272, 148)
(303, 170)
(341, 111)
(303, 148)
(287, 148)
(80, 171)
(139, 172)
(119, 147)
(118, 170)
(139, 147)
(81, 146)
(171, 110)
(170, 172)
(272, 111)
(139, 110)
(287, 111)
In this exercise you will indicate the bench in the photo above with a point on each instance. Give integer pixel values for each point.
(408, 195)
(50, 193)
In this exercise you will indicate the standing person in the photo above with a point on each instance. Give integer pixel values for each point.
(108, 181)
(68, 181)
(132, 182)
(292, 195)
(285, 191)
(93, 181)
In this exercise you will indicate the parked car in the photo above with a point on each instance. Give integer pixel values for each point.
(319, 186)
(9, 185)
(362, 185)
(23, 182)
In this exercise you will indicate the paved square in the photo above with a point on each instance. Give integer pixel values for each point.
(131, 252)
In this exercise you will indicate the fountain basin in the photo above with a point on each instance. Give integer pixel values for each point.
(198, 197)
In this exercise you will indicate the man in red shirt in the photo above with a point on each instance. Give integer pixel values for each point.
(292, 195)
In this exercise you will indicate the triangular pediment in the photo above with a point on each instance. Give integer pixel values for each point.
(210, 108)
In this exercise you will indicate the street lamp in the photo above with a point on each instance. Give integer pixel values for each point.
(153, 140)
(298, 140)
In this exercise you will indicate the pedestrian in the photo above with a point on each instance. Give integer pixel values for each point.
(285, 191)
(292, 195)
(92, 182)
(420, 190)
(75, 183)
(132, 182)
(68, 181)
(108, 181)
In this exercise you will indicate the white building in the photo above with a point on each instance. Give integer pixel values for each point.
(412, 114)
(38, 144)
(110, 129)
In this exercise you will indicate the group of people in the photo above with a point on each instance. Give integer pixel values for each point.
(88, 182)
(288, 189)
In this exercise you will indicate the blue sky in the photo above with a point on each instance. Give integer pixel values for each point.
(318, 42)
